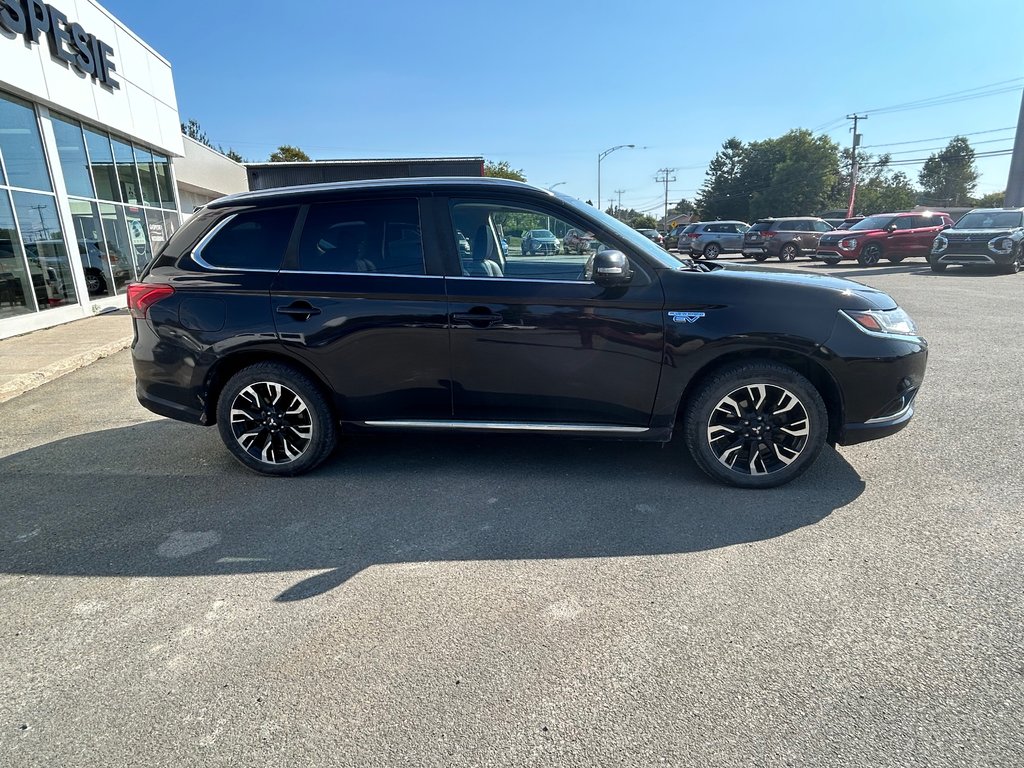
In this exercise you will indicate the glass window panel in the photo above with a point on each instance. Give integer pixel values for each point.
(124, 158)
(138, 234)
(43, 238)
(255, 240)
(21, 146)
(73, 160)
(17, 294)
(102, 161)
(163, 182)
(106, 271)
(382, 236)
(115, 233)
(147, 176)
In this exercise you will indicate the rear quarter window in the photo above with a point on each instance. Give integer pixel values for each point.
(250, 240)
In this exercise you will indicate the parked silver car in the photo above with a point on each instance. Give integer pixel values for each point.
(710, 238)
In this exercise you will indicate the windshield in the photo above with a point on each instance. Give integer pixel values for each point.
(635, 239)
(872, 222)
(990, 220)
(543, 233)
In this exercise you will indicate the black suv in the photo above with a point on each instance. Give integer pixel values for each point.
(982, 237)
(287, 315)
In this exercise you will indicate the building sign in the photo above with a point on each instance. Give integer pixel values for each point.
(68, 41)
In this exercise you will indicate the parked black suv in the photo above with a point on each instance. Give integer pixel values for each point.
(283, 316)
(982, 237)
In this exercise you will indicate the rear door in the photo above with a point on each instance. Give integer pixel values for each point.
(903, 240)
(537, 342)
(361, 302)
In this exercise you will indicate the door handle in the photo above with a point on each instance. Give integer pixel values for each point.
(477, 319)
(300, 310)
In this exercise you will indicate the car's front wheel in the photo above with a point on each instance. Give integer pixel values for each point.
(870, 256)
(761, 257)
(755, 425)
(274, 420)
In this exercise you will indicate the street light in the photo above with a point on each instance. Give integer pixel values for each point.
(601, 157)
(552, 187)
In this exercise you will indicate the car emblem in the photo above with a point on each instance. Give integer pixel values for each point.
(685, 317)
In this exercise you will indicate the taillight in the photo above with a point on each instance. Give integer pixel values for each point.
(768, 234)
(142, 296)
(692, 235)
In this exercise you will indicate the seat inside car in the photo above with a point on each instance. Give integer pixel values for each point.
(480, 263)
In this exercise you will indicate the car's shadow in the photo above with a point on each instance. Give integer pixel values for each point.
(165, 499)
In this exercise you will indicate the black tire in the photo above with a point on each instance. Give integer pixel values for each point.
(1014, 266)
(95, 282)
(895, 259)
(712, 251)
(792, 415)
(760, 257)
(831, 262)
(262, 402)
(936, 267)
(870, 255)
(789, 252)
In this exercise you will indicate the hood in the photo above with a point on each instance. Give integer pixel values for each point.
(785, 290)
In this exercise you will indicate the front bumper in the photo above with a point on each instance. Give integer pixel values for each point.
(834, 254)
(878, 376)
(973, 259)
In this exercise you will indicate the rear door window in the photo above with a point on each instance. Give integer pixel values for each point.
(254, 240)
(375, 236)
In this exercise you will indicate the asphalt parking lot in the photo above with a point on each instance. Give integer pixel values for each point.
(463, 600)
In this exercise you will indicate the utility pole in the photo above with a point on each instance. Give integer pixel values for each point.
(854, 167)
(1015, 181)
(663, 175)
(619, 193)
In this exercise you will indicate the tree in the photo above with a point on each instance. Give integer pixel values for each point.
(803, 172)
(721, 195)
(879, 188)
(949, 176)
(194, 131)
(991, 200)
(286, 153)
(502, 171)
(684, 206)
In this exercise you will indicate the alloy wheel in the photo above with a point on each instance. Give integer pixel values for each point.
(271, 422)
(788, 253)
(711, 252)
(758, 429)
(870, 256)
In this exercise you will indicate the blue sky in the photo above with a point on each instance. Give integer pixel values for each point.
(549, 85)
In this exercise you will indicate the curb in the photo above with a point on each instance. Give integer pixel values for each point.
(19, 385)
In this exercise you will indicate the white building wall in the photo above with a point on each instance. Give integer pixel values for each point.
(144, 108)
(203, 174)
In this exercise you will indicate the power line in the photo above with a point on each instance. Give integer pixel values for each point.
(940, 138)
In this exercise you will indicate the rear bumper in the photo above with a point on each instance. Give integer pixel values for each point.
(754, 250)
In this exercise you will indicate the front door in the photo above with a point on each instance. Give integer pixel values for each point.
(533, 340)
(358, 304)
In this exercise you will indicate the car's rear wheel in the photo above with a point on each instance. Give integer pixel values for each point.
(895, 259)
(94, 282)
(711, 251)
(755, 425)
(936, 267)
(760, 257)
(274, 420)
(831, 262)
(789, 252)
(870, 255)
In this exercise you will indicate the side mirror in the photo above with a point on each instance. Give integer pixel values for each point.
(610, 268)
(891, 228)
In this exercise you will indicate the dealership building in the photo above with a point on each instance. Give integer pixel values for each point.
(95, 174)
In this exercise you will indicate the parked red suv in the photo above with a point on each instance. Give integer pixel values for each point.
(892, 236)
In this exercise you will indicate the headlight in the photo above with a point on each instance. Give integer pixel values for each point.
(1001, 244)
(890, 321)
(849, 244)
(940, 244)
